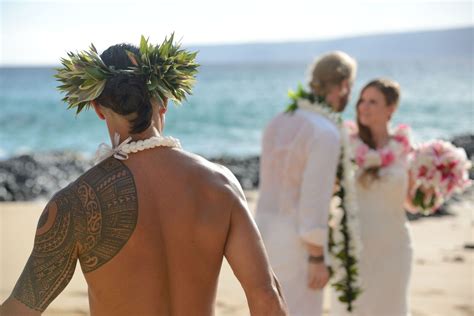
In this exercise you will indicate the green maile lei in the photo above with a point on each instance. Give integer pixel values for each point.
(344, 274)
(168, 69)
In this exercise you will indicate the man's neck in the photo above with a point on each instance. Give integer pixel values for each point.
(333, 107)
(332, 103)
(125, 133)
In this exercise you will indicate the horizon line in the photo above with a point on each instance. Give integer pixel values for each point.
(341, 37)
(272, 42)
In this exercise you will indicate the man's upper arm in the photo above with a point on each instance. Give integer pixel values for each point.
(52, 262)
(317, 188)
(244, 249)
(90, 220)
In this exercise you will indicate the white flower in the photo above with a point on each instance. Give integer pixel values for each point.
(336, 215)
(372, 159)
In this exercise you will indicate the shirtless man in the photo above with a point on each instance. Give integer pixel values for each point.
(150, 232)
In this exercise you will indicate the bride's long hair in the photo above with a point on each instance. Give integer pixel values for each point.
(391, 91)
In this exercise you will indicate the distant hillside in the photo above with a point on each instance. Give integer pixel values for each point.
(453, 43)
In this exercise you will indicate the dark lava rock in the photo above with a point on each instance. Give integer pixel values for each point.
(28, 177)
(33, 176)
(246, 170)
(466, 142)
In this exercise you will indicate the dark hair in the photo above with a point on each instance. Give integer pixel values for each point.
(125, 94)
(391, 91)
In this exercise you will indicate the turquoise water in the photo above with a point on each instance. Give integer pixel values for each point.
(231, 105)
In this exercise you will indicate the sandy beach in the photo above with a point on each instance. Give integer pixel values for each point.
(442, 279)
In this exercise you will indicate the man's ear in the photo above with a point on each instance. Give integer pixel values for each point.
(162, 110)
(98, 109)
(164, 106)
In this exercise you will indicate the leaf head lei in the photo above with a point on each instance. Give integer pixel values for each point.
(169, 71)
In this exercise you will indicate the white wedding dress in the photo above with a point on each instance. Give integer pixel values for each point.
(385, 260)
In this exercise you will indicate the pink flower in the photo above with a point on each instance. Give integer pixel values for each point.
(402, 139)
(387, 157)
(403, 129)
(451, 186)
(422, 172)
(403, 126)
(352, 129)
(446, 170)
(402, 136)
(437, 148)
(351, 126)
(361, 151)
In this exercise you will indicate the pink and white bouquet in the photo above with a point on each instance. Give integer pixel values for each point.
(438, 169)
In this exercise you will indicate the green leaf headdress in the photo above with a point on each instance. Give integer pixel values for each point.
(170, 72)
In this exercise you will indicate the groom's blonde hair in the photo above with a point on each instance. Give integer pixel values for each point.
(330, 70)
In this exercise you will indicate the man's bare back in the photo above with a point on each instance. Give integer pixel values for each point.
(150, 234)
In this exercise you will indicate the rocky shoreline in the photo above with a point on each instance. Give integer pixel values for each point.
(40, 175)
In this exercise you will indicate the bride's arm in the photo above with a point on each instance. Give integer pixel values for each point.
(408, 205)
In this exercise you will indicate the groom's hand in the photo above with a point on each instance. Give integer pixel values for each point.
(318, 275)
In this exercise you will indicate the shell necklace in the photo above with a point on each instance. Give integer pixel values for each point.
(121, 151)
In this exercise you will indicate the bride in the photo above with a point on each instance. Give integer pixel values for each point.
(382, 182)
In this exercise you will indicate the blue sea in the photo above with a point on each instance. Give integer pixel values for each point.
(231, 105)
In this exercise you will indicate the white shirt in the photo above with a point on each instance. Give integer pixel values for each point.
(300, 154)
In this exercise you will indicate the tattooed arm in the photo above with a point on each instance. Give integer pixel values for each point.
(90, 220)
(52, 262)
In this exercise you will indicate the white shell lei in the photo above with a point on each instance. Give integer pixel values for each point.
(122, 150)
(350, 202)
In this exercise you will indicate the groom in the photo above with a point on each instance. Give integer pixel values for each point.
(300, 154)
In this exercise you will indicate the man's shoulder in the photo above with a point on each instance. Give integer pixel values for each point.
(96, 182)
(290, 122)
(211, 170)
(104, 173)
(322, 127)
(282, 118)
(211, 175)
(96, 179)
(103, 207)
(303, 117)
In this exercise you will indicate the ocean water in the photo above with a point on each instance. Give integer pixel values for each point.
(231, 105)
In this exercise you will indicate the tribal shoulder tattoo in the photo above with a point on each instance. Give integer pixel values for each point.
(90, 220)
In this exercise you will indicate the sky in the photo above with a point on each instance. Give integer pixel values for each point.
(40, 32)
